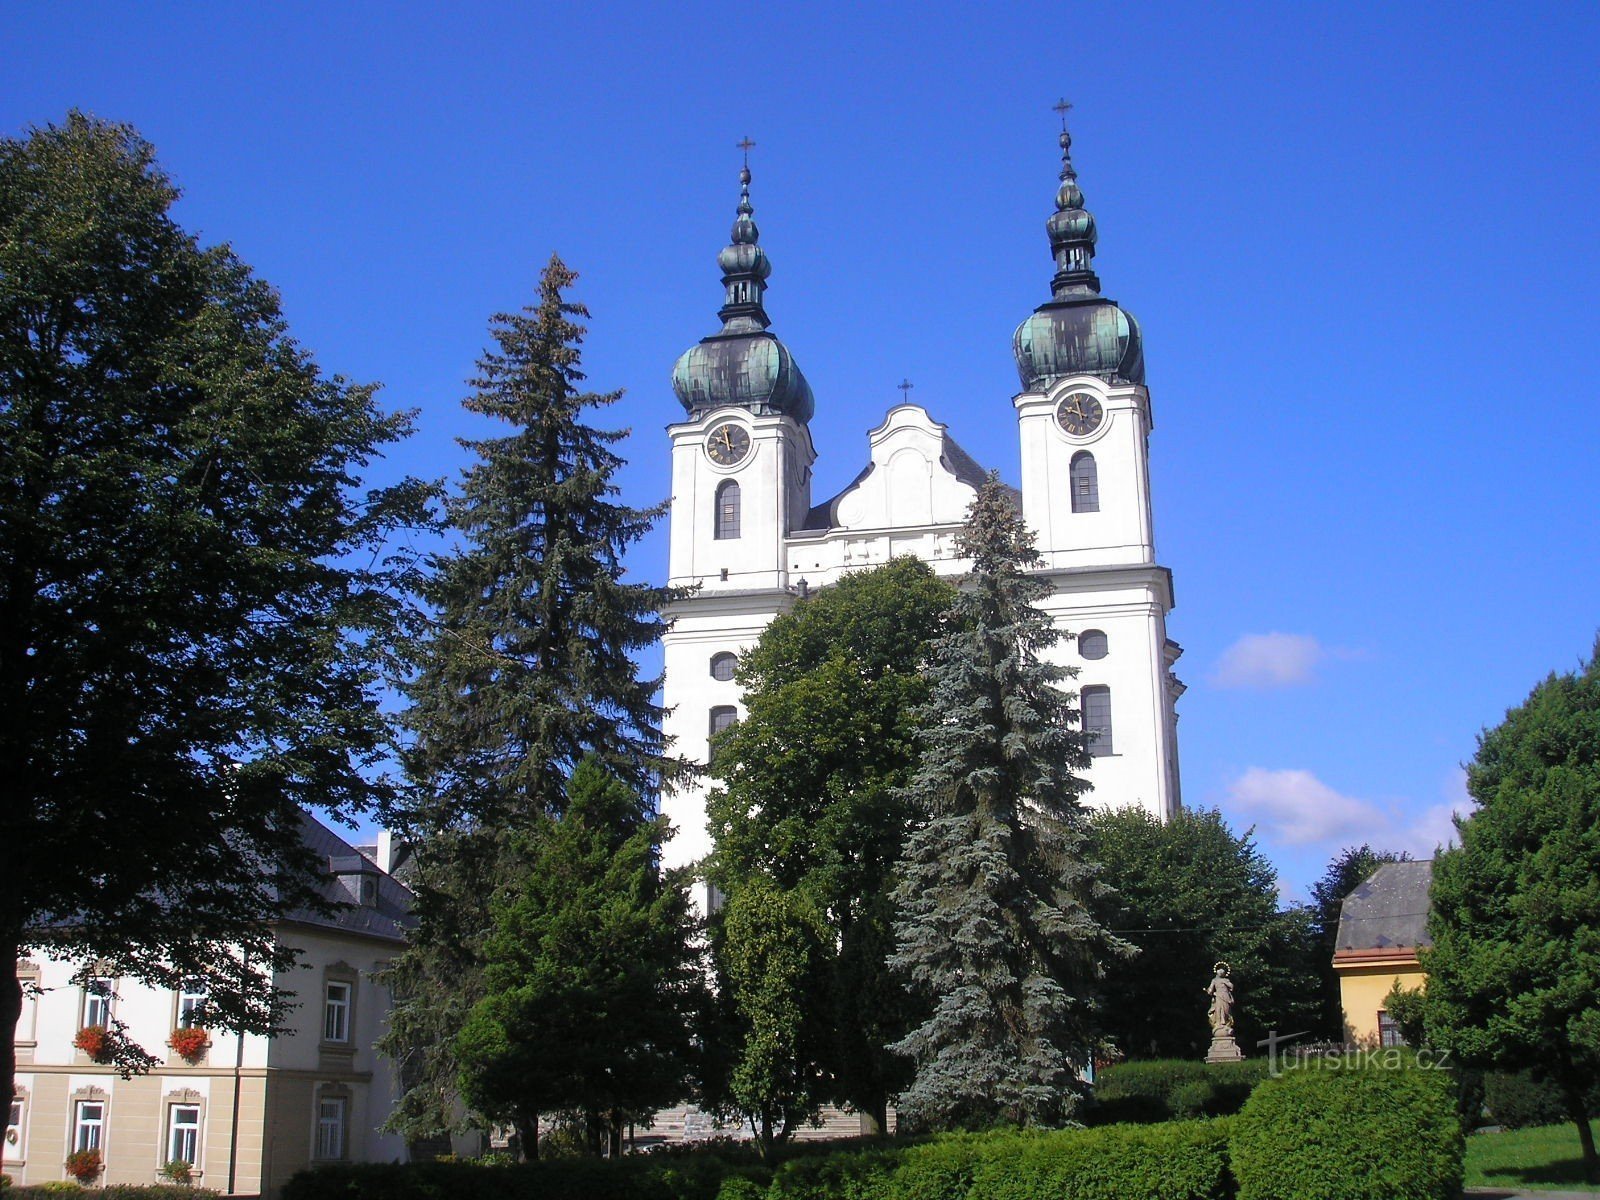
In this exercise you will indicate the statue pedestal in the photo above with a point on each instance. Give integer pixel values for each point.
(1224, 1048)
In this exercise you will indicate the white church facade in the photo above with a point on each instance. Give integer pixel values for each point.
(747, 536)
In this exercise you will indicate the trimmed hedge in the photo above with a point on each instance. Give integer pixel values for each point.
(1340, 1132)
(1179, 1161)
(1519, 1101)
(633, 1177)
(1171, 1089)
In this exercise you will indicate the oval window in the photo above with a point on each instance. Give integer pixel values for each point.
(1092, 644)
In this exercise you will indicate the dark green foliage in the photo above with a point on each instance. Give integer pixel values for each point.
(1517, 1100)
(1172, 1089)
(1189, 892)
(196, 600)
(1515, 964)
(592, 985)
(808, 801)
(632, 1177)
(1349, 868)
(527, 670)
(994, 927)
(1345, 1132)
(1178, 1161)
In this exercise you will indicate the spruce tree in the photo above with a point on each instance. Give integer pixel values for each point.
(527, 670)
(592, 982)
(995, 926)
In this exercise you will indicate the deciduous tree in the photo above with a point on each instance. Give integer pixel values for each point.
(1350, 868)
(196, 598)
(1514, 970)
(995, 925)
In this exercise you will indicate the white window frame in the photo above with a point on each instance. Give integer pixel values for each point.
(191, 995)
(16, 1121)
(189, 1131)
(338, 1002)
(99, 995)
(332, 1126)
(89, 1133)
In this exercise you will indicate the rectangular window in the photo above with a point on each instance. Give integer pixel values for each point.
(14, 1129)
(330, 1127)
(97, 1003)
(191, 995)
(90, 1123)
(1097, 719)
(336, 1013)
(1389, 1034)
(183, 1136)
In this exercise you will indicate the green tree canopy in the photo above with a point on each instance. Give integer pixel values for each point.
(195, 593)
(1514, 970)
(592, 983)
(808, 799)
(995, 926)
(1347, 870)
(527, 669)
(1189, 892)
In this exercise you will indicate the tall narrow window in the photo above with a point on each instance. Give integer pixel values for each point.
(722, 716)
(190, 998)
(1085, 483)
(183, 1133)
(727, 511)
(97, 996)
(89, 1124)
(336, 1013)
(1097, 719)
(330, 1126)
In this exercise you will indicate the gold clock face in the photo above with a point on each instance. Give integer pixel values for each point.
(728, 444)
(1080, 414)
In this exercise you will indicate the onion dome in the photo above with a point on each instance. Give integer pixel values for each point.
(1079, 332)
(743, 365)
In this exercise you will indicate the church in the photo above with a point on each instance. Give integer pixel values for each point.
(749, 537)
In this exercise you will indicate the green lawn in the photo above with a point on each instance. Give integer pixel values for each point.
(1545, 1158)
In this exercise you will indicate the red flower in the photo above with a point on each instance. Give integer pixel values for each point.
(189, 1043)
(85, 1165)
(94, 1041)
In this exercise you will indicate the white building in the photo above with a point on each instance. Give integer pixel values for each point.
(246, 1112)
(746, 533)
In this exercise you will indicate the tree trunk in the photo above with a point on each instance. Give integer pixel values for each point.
(1579, 1112)
(875, 1117)
(527, 1136)
(10, 1014)
(614, 1149)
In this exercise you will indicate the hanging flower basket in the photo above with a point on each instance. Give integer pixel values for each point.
(189, 1043)
(85, 1165)
(94, 1041)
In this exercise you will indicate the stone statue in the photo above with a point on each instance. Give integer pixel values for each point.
(1220, 989)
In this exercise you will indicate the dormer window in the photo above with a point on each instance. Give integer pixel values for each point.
(358, 879)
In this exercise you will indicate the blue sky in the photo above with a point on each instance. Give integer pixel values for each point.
(1361, 240)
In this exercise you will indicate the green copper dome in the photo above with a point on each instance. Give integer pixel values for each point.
(743, 365)
(1079, 332)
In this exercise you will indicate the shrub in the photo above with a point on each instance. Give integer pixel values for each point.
(114, 1191)
(632, 1177)
(85, 1165)
(1341, 1132)
(1519, 1101)
(1170, 1089)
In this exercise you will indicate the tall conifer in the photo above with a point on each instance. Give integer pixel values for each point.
(994, 922)
(527, 672)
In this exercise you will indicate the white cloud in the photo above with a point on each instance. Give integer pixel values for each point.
(1269, 660)
(1298, 809)
(1435, 826)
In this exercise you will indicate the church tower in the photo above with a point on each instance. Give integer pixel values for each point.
(1084, 422)
(747, 538)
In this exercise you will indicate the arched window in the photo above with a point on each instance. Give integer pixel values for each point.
(1097, 719)
(727, 526)
(722, 716)
(1092, 644)
(722, 666)
(1085, 483)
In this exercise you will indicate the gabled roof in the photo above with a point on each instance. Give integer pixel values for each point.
(1388, 911)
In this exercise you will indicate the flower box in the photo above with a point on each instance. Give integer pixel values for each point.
(95, 1041)
(85, 1165)
(189, 1043)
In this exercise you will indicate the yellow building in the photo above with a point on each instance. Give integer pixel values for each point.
(244, 1112)
(1382, 925)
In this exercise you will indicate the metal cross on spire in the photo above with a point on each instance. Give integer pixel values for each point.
(905, 386)
(1062, 106)
(746, 145)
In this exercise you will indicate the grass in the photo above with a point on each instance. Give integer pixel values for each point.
(1546, 1158)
